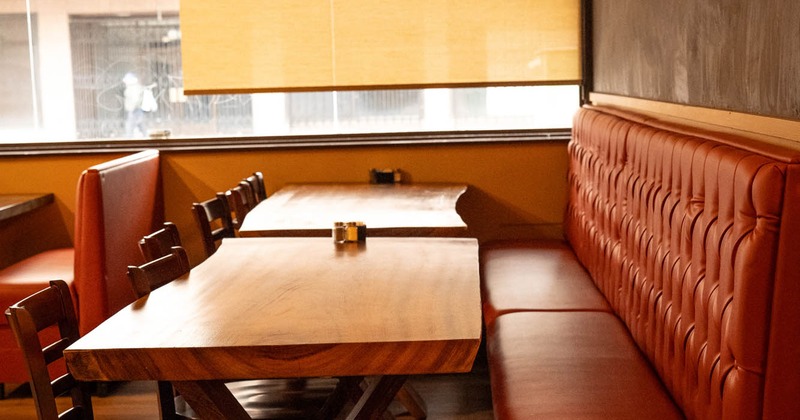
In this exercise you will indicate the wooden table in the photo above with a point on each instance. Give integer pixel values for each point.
(12, 205)
(386, 209)
(297, 307)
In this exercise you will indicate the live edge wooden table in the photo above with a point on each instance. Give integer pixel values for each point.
(387, 210)
(297, 307)
(12, 205)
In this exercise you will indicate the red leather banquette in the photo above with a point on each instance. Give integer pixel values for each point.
(676, 292)
(118, 202)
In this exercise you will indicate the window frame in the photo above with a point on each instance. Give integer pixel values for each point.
(378, 139)
(287, 142)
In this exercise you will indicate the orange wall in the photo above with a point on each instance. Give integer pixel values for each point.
(516, 189)
(51, 226)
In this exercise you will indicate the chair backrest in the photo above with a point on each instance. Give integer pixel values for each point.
(214, 220)
(256, 182)
(158, 272)
(241, 201)
(160, 242)
(49, 307)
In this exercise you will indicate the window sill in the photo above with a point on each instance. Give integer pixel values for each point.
(284, 142)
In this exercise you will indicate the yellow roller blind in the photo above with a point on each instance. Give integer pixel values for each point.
(283, 45)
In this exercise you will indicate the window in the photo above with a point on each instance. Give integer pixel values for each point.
(106, 71)
(117, 60)
(19, 95)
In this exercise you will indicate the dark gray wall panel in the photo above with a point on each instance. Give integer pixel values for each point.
(737, 55)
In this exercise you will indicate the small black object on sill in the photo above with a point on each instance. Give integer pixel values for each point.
(385, 176)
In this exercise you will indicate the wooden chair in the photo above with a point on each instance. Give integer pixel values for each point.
(213, 217)
(241, 200)
(256, 182)
(158, 272)
(49, 307)
(153, 274)
(160, 242)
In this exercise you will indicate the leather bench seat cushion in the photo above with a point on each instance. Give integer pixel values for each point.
(571, 365)
(33, 274)
(535, 276)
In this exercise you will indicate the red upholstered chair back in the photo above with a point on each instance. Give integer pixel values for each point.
(693, 238)
(118, 203)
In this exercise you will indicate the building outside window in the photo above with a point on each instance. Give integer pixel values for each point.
(146, 51)
(19, 98)
(82, 70)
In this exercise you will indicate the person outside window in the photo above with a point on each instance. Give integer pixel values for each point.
(138, 100)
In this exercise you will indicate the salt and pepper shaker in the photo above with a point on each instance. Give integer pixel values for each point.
(349, 232)
(339, 232)
(361, 231)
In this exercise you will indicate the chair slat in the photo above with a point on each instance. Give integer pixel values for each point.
(63, 384)
(55, 350)
(160, 242)
(154, 274)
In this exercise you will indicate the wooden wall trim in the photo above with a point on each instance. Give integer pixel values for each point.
(769, 129)
(587, 51)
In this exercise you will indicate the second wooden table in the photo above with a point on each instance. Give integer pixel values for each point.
(12, 205)
(386, 209)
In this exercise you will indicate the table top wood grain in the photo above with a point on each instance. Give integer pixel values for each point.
(12, 205)
(294, 307)
(386, 209)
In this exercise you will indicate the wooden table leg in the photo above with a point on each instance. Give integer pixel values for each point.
(348, 388)
(211, 400)
(376, 398)
(166, 401)
(412, 401)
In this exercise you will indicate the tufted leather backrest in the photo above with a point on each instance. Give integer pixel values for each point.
(693, 237)
(118, 202)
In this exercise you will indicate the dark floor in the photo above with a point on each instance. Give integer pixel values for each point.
(452, 396)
